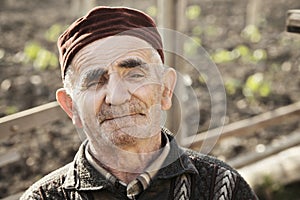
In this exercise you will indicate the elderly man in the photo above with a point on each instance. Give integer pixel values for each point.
(115, 88)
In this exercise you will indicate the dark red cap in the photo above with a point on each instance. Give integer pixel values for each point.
(103, 22)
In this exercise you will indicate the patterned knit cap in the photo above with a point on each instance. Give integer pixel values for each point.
(103, 22)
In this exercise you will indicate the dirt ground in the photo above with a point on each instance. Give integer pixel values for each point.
(24, 86)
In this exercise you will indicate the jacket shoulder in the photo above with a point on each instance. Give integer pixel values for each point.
(49, 184)
(202, 160)
(218, 176)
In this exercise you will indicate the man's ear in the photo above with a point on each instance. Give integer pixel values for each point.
(169, 81)
(66, 103)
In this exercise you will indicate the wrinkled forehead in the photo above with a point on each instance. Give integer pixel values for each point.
(106, 51)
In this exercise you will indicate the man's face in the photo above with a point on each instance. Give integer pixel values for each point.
(117, 90)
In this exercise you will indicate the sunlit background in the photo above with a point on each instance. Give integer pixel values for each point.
(247, 40)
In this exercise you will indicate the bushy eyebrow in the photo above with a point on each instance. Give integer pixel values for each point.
(97, 74)
(93, 75)
(131, 63)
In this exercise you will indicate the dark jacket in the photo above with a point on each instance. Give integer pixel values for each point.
(185, 175)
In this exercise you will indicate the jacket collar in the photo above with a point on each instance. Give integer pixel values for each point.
(82, 176)
(177, 161)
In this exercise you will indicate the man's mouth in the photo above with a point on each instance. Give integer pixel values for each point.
(108, 118)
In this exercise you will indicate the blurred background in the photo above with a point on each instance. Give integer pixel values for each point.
(247, 39)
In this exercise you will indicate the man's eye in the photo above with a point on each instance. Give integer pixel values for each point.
(96, 83)
(92, 84)
(136, 75)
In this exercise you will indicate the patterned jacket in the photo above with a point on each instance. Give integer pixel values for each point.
(189, 175)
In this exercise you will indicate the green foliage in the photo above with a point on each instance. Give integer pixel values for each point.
(53, 32)
(268, 188)
(223, 56)
(242, 52)
(152, 11)
(11, 110)
(259, 54)
(31, 50)
(232, 85)
(45, 59)
(255, 56)
(202, 78)
(256, 86)
(39, 56)
(197, 30)
(275, 67)
(211, 31)
(251, 33)
(190, 47)
(193, 12)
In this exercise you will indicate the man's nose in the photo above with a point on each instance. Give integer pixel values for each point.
(117, 92)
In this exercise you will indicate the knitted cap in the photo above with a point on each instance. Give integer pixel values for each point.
(103, 22)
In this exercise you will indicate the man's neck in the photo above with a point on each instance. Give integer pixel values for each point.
(127, 162)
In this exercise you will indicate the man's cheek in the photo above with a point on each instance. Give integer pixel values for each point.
(91, 104)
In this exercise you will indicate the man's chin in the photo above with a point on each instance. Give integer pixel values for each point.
(120, 139)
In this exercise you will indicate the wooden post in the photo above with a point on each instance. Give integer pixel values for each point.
(253, 12)
(81, 7)
(180, 90)
(166, 19)
(171, 16)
